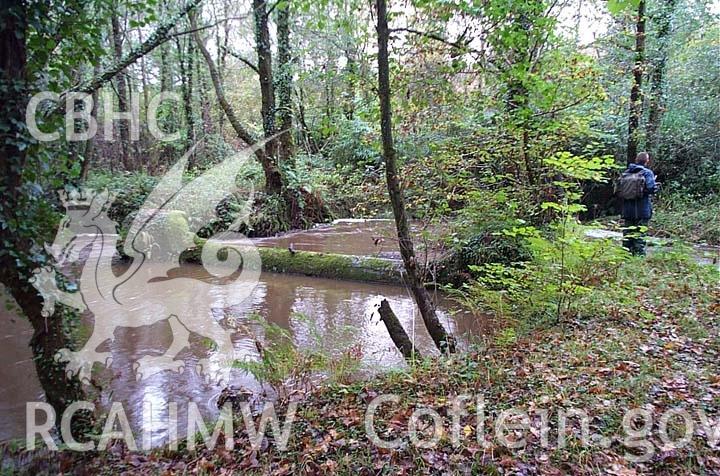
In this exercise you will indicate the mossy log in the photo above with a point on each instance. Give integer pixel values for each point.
(321, 265)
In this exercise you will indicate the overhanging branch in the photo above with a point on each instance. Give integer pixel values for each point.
(157, 38)
(460, 45)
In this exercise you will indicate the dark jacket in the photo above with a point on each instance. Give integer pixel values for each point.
(640, 208)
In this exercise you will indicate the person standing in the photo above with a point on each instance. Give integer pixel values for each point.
(635, 186)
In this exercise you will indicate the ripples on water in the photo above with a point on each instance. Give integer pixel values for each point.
(320, 314)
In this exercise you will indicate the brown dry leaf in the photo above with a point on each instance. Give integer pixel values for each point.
(620, 470)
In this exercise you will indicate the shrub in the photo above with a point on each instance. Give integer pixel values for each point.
(131, 190)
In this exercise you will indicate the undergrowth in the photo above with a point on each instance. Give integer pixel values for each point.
(695, 219)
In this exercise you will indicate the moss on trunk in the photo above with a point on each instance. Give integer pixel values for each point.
(321, 265)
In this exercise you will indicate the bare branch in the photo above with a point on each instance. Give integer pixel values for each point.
(206, 27)
(236, 55)
(562, 108)
(460, 45)
(157, 38)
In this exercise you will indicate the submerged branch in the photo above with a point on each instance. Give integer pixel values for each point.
(397, 332)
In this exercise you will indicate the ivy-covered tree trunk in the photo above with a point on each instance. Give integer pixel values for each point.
(657, 103)
(165, 68)
(121, 87)
(265, 75)
(89, 148)
(284, 85)
(636, 91)
(16, 234)
(186, 75)
(444, 341)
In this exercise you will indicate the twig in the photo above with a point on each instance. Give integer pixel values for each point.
(463, 46)
(241, 58)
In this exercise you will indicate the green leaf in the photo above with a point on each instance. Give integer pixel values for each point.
(618, 6)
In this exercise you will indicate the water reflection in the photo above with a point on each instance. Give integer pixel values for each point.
(321, 314)
(17, 370)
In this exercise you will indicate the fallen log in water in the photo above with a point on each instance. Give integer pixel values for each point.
(397, 332)
(321, 265)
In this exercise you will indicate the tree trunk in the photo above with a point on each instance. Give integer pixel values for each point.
(144, 75)
(165, 72)
(188, 98)
(207, 126)
(48, 336)
(89, 152)
(222, 57)
(397, 333)
(265, 74)
(122, 92)
(311, 145)
(351, 73)
(273, 178)
(444, 341)
(185, 78)
(657, 103)
(284, 85)
(636, 91)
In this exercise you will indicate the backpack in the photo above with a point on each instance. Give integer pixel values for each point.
(630, 186)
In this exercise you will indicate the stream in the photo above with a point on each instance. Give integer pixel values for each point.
(329, 316)
(358, 237)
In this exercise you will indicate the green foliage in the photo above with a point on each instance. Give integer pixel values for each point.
(478, 236)
(506, 337)
(560, 282)
(131, 189)
(619, 6)
(280, 361)
(565, 269)
(283, 365)
(694, 218)
(601, 280)
(570, 276)
(354, 143)
(687, 152)
(269, 216)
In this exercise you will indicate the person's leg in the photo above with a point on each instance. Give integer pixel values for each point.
(640, 240)
(629, 235)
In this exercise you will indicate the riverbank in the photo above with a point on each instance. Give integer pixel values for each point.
(681, 217)
(661, 355)
(694, 219)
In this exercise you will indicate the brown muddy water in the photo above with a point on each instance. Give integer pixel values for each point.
(322, 315)
(375, 237)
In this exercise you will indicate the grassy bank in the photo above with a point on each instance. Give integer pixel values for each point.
(695, 219)
(657, 353)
